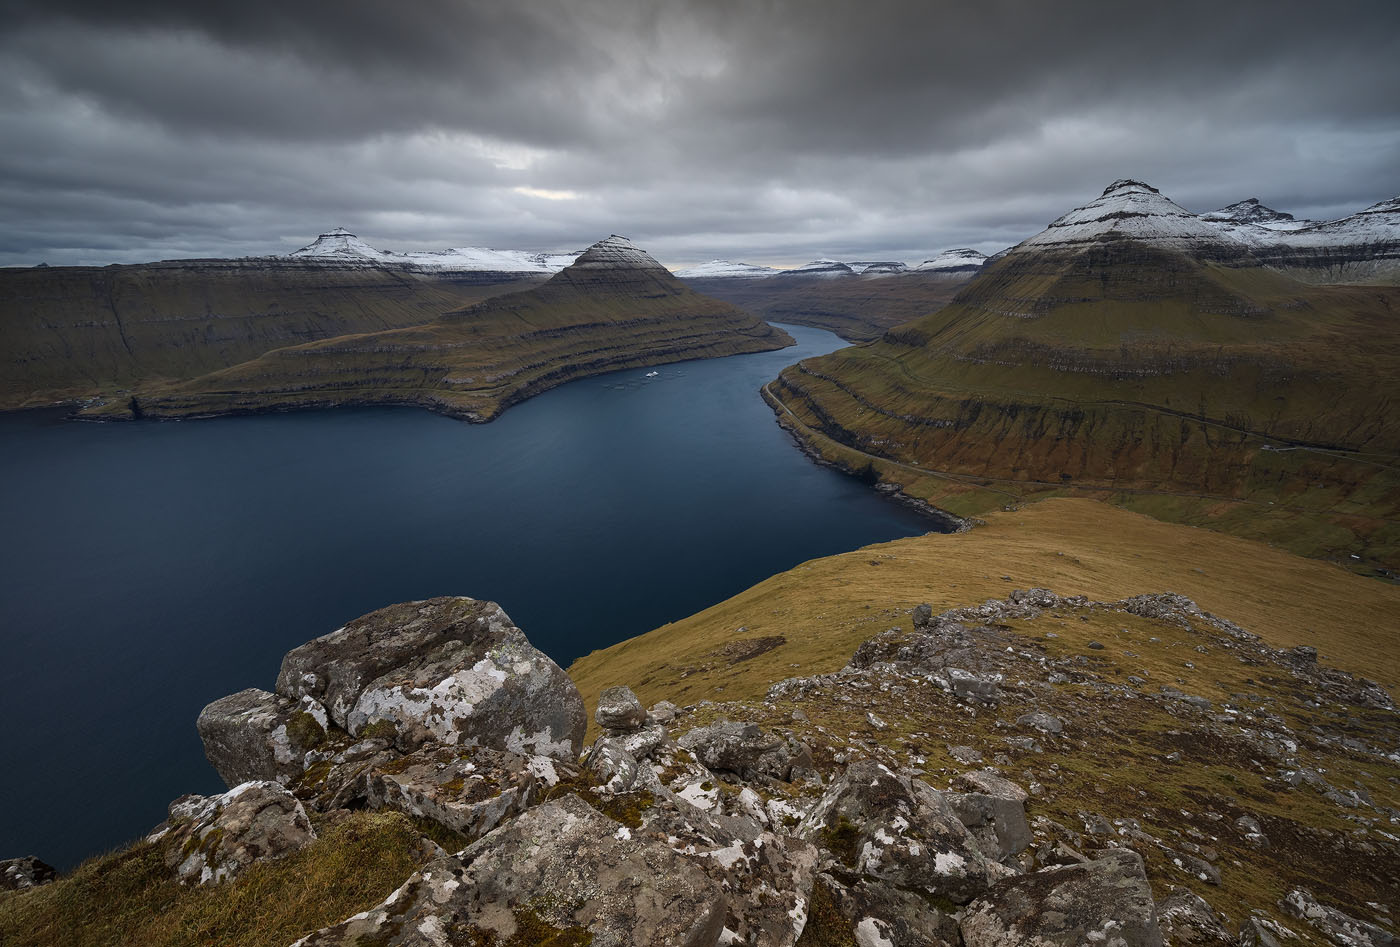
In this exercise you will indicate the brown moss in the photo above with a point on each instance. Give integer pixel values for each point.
(305, 731)
(826, 925)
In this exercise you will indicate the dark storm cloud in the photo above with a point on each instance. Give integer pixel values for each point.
(775, 130)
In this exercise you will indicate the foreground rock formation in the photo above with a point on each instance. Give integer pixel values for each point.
(817, 816)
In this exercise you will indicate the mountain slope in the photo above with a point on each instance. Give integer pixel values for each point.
(1133, 349)
(77, 332)
(615, 307)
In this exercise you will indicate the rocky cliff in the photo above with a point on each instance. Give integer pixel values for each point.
(614, 307)
(985, 776)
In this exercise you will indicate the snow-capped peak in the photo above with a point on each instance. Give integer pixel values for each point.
(961, 260)
(616, 251)
(724, 269)
(1251, 212)
(822, 269)
(1129, 208)
(340, 244)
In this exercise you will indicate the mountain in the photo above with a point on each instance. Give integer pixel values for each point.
(1135, 350)
(614, 307)
(1255, 214)
(464, 265)
(77, 332)
(961, 261)
(723, 269)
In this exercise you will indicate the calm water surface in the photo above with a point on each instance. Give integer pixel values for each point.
(149, 568)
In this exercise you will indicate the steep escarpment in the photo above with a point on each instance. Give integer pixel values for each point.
(614, 307)
(80, 332)
(1033, 769)
(1134, 350)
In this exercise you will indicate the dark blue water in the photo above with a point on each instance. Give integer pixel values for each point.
(149, 568)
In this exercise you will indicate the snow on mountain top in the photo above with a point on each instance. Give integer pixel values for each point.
(1379, 223)
(342, 246)
(1129, 208)
(963, 259)
(616, 251)
(823, 269)
(724, 269)
(877, 267)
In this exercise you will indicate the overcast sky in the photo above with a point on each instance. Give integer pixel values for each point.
(772, 131)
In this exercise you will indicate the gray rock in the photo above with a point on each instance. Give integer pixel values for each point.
(996, 816)
(1256, 932)
(617, 769)
(446, 670)
(879, 914)
(1251, 830)
(1188, 920)
(337, 777)
(733, 747)
(969, 686)
(965, 754)
(923, 615)
(899, 829)
(470, 790)
(1106, 901)
(1046, 723)
(20, 874)
(560, 867)
(619, 709)
(255, 734)
(208, 839)
(1341, 929)
(663, 712)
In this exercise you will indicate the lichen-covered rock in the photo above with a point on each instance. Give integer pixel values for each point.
(560, 870)
(337, 777)
(1188, 920)
(214, 838)
(469, 790)
(255, 734)
(877, 914)
(1107, 902)
(1341, 929)
(619, 709)
(899, 829)
(444, 670)
(19, 874)
(746, 751)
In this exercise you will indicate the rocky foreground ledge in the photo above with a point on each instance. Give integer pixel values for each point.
(683, 826)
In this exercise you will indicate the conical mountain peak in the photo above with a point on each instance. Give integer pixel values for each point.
(616, 251)
(1131, 210)
(1128, 184)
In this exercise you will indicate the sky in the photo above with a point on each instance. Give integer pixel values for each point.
(767, 131)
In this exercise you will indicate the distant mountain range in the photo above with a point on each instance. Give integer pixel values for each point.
(1195, 366)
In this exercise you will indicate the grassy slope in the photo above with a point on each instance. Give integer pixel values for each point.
(474, 362)
(74, 332)
(826, 607)
(857, 309)
(1167, 384)
(129, 897)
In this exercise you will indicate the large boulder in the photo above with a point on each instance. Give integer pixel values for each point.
(469, 790)
(891, 826)
(877, 914)
(619, 709)
(994, 811)
(255, 735)
(444, 670)
(1106, 901)
(19, 874)
(208, 839)
(559, 873)
(1341, 929)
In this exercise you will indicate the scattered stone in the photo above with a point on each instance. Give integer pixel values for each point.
(968, 686)
(1039, 720)
(923, 614)
(734, 747)
(1341, 929)
(1256, 932)
(619, 709)
(1106, 901)
(663, 712)
(214, 838)
(20, 874)
(1188, 920)
(1094, 646)
(1251, 830)
(875, 721)
(445, 670)
(965, 754)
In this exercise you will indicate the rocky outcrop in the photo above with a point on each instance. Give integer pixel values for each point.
(208, 839)
(562, 873)
(21, 874)
(444, 670)
(255, 734)
(1106, 901)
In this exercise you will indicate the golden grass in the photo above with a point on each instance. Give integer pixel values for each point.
(824, 608)
(129, 897)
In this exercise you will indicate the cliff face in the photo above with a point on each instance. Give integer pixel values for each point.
(75, 332)
(614, 308)
(1132, 348)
